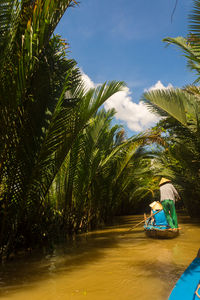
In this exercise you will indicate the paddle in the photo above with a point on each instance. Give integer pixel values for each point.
(142, 221)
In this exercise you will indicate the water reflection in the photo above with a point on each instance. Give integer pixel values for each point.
(106, 264)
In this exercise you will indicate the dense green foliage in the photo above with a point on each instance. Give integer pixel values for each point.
(63, 166)
(181, 110)
(100, 175)
(43, 109)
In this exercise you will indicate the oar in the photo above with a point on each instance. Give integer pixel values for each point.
(142, 221)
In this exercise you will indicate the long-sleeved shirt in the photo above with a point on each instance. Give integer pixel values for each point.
(168, 191)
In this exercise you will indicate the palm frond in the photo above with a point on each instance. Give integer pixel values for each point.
(191, 51)
(175, 102)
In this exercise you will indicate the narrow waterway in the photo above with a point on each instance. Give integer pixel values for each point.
(109, 264)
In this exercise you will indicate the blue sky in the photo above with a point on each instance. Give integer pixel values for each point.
(122, 40)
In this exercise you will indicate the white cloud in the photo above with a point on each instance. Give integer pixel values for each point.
(88, 83)
(135, 115)
(159, 86)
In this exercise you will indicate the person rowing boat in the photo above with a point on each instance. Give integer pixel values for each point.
(168, 197)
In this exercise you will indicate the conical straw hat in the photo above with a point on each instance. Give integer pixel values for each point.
(164, 180)
(156, 205)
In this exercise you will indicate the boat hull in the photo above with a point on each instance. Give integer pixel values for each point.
(188, 286)
(157, 233)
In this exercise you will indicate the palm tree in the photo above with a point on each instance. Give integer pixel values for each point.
(43, 109)
(181, 109)
(77, 179)
(101, 173)
(27, 90)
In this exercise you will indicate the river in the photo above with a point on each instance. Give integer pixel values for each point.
(108, 264)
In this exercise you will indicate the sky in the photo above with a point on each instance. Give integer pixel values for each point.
(122, 40)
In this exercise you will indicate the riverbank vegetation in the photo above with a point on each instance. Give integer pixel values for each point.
(64, 166)
(181, 110)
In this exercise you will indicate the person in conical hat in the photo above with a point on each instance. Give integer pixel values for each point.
(168, 197)
(156, 205)
(158, 216)
(164, 180)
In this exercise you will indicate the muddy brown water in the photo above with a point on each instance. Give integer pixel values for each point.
(109, 264)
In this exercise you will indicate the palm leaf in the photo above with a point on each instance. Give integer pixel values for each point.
(175, 102)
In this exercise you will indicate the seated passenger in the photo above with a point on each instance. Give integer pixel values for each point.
(159, 218)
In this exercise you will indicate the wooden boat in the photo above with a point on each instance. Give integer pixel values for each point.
(160, 233)
(188, 286)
